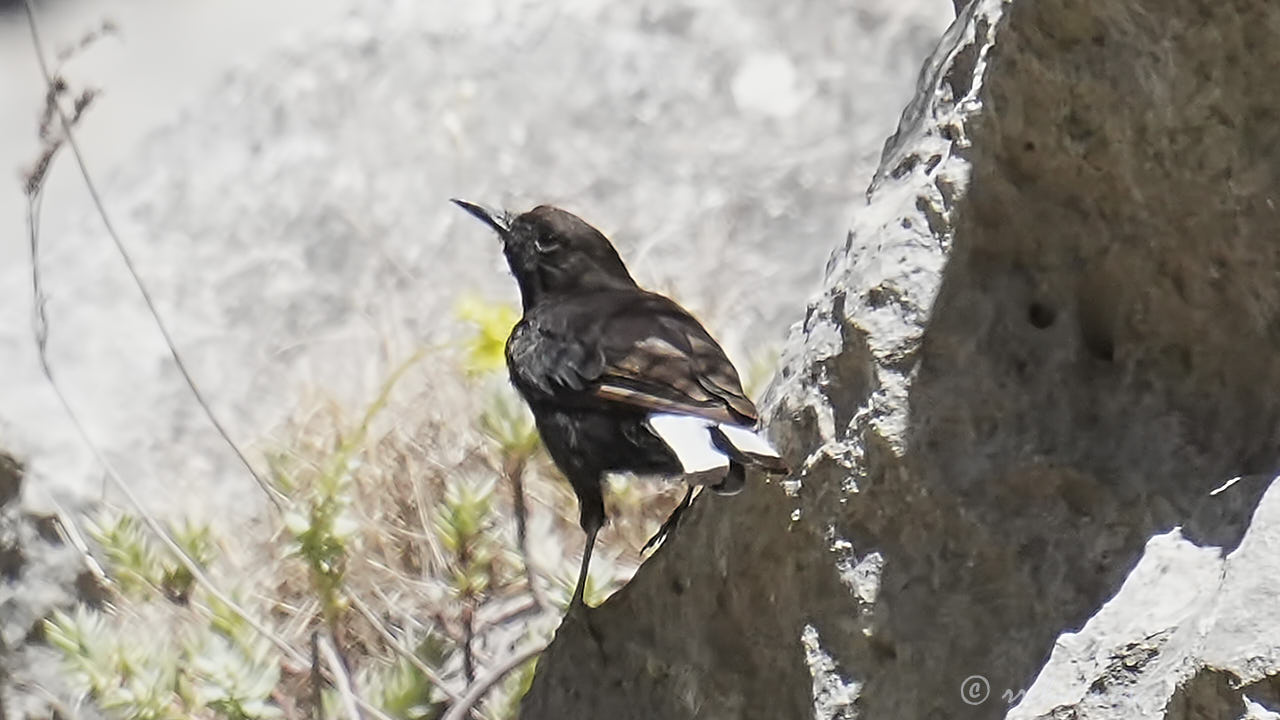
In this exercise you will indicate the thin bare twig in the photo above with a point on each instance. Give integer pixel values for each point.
(431, 675)
(514, 470)
(107, 27)
(468, 640)
(277, 498)
(478, 689)
(509, 614)
(71, 532)
(341, 680)
(429, 538)
(317, 697)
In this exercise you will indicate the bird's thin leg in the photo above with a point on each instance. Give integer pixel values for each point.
(671, 521)
(591, 517)
(578, 604)
(580, 591)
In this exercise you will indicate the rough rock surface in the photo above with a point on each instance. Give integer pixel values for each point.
(295, 227)
(1050, 334)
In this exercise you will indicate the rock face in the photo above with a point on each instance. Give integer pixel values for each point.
(1049, 336)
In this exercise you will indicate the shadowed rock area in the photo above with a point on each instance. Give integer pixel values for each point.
(1048, 337)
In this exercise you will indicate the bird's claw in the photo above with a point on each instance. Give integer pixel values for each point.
(671, 522)
(662, 533)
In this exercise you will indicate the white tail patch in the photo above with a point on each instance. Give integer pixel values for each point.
(705, 447)
(690, 439)
(748, 442)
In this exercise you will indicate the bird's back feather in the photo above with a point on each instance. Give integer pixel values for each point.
(634, 349)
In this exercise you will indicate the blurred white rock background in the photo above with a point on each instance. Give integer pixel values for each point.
(281, 170)
(165, 56)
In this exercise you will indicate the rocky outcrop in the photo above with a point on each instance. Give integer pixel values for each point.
(1044, 348)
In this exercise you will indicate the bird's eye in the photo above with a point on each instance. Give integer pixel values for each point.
(545, 244)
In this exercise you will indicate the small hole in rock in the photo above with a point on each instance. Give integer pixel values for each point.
(1041, 315)
(1029, 146)
(1101, 347)
(1097, 325)
(882, 650)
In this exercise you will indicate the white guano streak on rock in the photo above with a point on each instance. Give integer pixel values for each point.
(833, 695)
(860, 575)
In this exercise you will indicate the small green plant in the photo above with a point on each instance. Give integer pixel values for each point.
(490, 323)
(132, 668)
(402, 692)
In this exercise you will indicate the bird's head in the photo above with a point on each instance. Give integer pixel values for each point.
(553, 252)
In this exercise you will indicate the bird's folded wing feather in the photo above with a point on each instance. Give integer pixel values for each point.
(675, 370)
(649, 354)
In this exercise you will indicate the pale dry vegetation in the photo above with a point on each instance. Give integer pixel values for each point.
(426, 537)
(417, 555)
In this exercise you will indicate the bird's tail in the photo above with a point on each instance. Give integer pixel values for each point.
(713, 453)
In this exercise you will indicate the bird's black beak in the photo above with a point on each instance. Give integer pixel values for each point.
(495, 220)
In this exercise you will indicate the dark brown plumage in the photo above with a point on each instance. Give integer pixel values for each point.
(618, 378)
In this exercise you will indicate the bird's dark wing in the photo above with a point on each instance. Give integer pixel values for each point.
(668, 363)
(637, 349)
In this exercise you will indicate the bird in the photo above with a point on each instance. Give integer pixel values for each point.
(618, 378)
